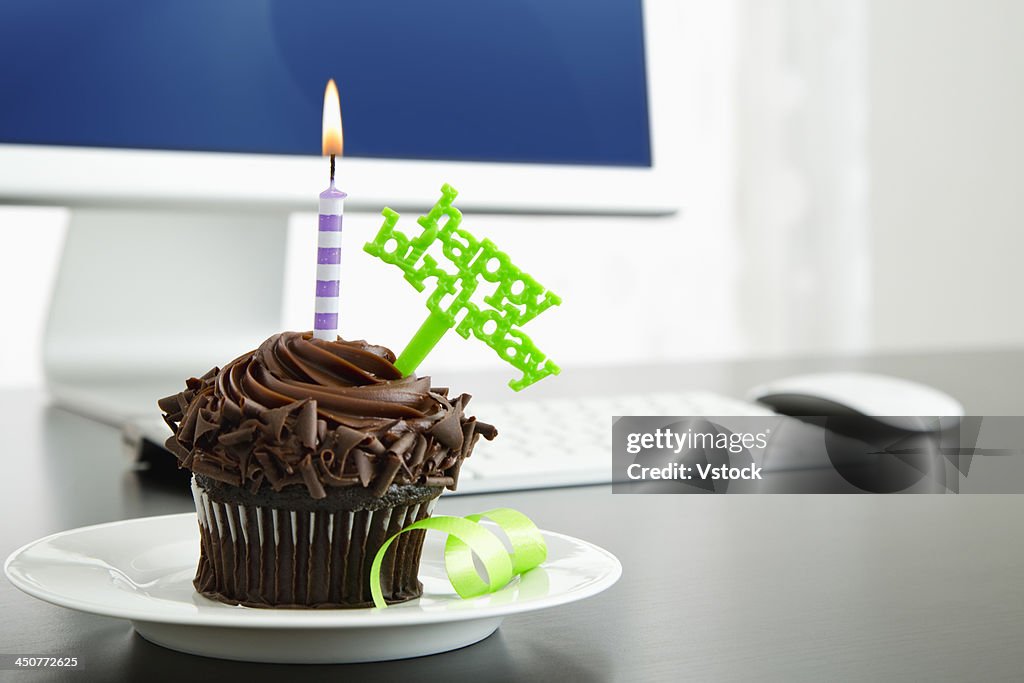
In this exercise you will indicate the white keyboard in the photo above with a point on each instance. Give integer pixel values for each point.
(544, 443)
(568, 442)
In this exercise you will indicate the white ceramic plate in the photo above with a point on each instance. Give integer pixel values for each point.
(142, 570)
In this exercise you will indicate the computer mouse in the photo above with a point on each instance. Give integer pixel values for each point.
(892, 401)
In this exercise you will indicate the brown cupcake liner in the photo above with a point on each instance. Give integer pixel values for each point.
(261, 556)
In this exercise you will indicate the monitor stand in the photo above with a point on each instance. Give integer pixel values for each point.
(146, 298)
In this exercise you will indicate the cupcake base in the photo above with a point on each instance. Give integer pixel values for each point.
(275, 549)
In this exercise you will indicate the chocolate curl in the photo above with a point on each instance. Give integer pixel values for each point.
(305, 425)
(415, 456)
(200, 466)
(274, 421)
(180, 452)
(373, 445)
(453, 472)
(448, 431)
(469, 444)
(244, 434)
(170, 405)
(331, 467)
(395, 432)
(255, 480)
(333, 462)
(187, 430)
(270, 470)
(363, 466)
(205, 423)
(475, 430)
(345, 439)
(403, 444)
(468, 433)
(244, 455)
(386, 475)
(232, 411)
(446, 482)
(402, 448)
(436, 453)
(312, 482)
(249, 407)
(284, 456)
(171, 422)
(488, 431)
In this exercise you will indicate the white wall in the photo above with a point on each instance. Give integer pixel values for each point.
(30, 241)
(947, 172)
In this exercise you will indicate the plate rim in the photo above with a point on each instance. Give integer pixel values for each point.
(300, 618)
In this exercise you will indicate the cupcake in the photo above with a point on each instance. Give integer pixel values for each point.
(306, 456)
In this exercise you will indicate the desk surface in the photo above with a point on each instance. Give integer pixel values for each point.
(714, 587)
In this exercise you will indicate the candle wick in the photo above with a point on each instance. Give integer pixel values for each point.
(332, 169)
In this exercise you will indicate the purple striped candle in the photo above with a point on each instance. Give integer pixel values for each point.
(328, 263)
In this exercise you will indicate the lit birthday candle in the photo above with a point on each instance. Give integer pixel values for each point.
(332, 210)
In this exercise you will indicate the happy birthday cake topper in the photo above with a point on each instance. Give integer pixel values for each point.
(515, 300)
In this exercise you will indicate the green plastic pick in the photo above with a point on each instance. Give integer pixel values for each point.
(515, 300)
(466, 537)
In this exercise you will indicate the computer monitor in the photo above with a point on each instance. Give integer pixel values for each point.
(182, 134)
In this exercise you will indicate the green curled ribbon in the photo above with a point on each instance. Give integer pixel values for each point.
(467, 537)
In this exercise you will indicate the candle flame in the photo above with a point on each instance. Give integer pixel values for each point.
(333, 139)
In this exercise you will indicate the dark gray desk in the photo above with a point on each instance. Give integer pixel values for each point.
(727, 588)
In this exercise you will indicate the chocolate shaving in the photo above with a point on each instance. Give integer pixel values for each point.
(274, 421)
(175, 447)
(316, 489)
(232, 412)
(374, 446)
(453, 472)
(415, 457)
(188, 426)
(206, 423)
(436, 455)
(345, 439)
(212, 471)
(363, 466)
(305, 424)
(243, 434)
(386, 475)
(255, 480)
(449, 431)
(169, 404)
(403, 444)
(486, 430)
(268, 467)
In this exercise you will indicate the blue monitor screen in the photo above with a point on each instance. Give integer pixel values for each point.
(534, 81)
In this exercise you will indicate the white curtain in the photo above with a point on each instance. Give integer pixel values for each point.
(801, 174)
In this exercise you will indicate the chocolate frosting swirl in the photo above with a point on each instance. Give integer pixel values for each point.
(315, 413)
